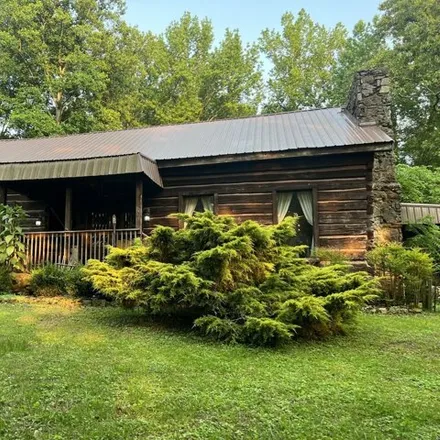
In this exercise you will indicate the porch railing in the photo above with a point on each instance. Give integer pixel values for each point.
(74, 247)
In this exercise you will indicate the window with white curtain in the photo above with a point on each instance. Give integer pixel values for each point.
(301, 204)
(192, 204)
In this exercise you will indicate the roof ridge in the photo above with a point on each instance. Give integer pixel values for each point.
(237, 118)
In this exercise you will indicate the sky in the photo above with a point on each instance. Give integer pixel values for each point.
(249, 16)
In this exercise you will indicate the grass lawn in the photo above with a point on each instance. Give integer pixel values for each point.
(104, 373)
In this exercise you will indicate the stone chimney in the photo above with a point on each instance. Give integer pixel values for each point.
(369, 100)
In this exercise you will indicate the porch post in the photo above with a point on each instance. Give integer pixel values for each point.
(3, 194)
(68, 210)
(139, 202)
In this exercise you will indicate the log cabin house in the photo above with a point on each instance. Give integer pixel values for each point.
(334, 167)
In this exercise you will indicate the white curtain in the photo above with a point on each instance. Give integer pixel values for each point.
(305, 199)
(190, 204)
(283, 203)
(208, 203)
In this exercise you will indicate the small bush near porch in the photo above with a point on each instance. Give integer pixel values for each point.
(75, 373)
(242, 283)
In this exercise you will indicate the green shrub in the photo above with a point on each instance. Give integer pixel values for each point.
(52, 280)
(12, 250)
(237, 283)
(5, 280)
(426, 236)
(49, 280)
(329, 256)
(406, 274)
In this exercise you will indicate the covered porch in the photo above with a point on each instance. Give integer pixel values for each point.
(75, 214)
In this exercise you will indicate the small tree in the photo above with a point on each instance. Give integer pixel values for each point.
(12, 250)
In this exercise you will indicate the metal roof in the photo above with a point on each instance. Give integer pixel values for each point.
(137, 150)
(267, 133)
(101, 166)
(415, 212)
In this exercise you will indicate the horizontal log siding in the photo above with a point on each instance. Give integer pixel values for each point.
(35, 210)
(245, 191)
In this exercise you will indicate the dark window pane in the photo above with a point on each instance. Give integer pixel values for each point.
(305, 229)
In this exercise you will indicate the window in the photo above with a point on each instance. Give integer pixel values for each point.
(298, 203)
(193, 204)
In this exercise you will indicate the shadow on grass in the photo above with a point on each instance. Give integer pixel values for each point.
(118, 317)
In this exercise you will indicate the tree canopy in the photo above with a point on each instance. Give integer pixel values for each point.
(303, 56)
(54, 65)
(75, 66)
(412, 28)
(420, 184)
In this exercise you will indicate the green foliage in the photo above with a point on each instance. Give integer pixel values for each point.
(12, 250)
(237, 283)
(411, 28)
(406, 273)
(191, 80)
(5, 280)
(266, 331)
(363, 49)
(56, 64)
(52, 280)
(329, 256)
(427, 238)
(76, 66)
(49, 280)
(303, 56)
(420, 184)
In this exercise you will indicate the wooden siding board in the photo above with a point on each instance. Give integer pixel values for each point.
(334, 185)
(354, 171)
(333, 161)
(249, 191)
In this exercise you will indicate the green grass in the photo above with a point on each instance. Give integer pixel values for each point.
(75, 373)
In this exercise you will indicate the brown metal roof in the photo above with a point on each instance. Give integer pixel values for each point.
(260, 134)
(415, 212)
(100, 166)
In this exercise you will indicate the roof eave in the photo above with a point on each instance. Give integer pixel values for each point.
(301, 152)
(77, 168)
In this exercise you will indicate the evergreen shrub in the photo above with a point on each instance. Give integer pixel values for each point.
(236, 283)
(51, 280)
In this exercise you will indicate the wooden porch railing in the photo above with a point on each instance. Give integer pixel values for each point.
(74, 247)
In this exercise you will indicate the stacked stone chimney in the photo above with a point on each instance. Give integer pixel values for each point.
(369, 102)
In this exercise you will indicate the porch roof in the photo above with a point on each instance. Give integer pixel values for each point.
(100, 166)
(310, 131)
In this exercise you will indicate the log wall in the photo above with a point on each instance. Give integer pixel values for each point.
(247, 190)
(35, 209)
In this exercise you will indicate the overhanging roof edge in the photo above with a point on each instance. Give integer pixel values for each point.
(99, 166)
